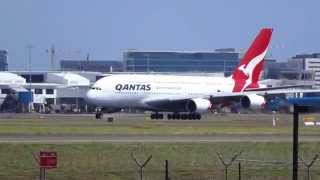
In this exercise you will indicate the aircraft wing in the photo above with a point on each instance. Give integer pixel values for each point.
(265, 92)
(278, 87)
(220, 99)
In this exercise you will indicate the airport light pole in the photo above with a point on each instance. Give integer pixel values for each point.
(29, 48)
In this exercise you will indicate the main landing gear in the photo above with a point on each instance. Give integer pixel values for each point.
(191, 116)
(156, 116)
(177, 116)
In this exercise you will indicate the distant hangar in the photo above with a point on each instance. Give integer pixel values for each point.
(49, 89)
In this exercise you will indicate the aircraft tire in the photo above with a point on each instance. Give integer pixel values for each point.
(184, 116)
(190, 116)
(174, 116)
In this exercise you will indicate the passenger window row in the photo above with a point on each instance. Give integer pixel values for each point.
(96, 88)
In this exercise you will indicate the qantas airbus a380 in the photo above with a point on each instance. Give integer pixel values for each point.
(186, 97)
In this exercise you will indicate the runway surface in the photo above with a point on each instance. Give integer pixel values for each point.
(150, 138)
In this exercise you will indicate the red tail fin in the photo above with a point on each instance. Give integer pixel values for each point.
(248, 71)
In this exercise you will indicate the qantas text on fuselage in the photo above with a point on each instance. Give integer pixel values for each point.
(133, 87)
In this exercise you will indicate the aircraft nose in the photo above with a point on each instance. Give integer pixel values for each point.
(90, 97)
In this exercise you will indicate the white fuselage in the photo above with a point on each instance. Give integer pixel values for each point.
(134, 90)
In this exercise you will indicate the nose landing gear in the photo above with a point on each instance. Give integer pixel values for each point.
(99, 113)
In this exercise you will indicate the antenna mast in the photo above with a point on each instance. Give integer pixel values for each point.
(52, 57)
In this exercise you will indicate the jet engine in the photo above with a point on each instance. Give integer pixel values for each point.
(111, 110)
(198, 105)
(252, 101)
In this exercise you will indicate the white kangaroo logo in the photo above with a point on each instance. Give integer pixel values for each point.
(247, 69)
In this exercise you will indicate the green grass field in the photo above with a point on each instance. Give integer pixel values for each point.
(188, 161)
(235, 124)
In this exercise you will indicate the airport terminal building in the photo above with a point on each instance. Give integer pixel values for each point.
(92, 65)
(217, 61)
(3, 60)
(45, 91)
(308, 64)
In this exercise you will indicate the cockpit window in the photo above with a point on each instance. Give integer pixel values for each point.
(96, 88)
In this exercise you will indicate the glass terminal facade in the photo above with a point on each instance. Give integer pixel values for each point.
(96, 66)
(181, 61)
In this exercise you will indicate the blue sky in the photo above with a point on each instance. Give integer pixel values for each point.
(105, 28)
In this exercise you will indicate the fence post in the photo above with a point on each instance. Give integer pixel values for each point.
(228, 164)
(43, 174)
(295, 147)
(141, 166)
(239, 170)
(309, 165)
(167, 170)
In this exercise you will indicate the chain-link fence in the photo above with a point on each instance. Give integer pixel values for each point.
(240, 169)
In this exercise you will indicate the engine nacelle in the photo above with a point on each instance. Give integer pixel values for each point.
(198, 105)
(111, 110)
(252, 101)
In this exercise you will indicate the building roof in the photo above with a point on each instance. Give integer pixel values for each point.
(68, 79)
(223, 50)
(42, 85)
(7, 78)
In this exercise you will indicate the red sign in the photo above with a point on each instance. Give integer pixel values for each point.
(47, 159)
